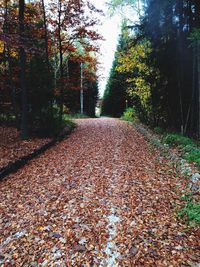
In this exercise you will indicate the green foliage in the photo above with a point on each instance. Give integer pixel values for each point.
(191, 211)
(159, 130)
(57, 127)
(177, 140)
(115, 95)
(115, 5)
(45, 75)
(130, 114)
(90, 98)
(159, 65)
(134, 61)
(195, 36)
(48, 123)
(139, 74)
(189, 148)
(193, 155)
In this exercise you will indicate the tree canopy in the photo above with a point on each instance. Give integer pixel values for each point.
(160, 64)
(42, 49)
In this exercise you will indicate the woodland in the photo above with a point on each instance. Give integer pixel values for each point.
(157, 65)
(47, 55)
(99, 192)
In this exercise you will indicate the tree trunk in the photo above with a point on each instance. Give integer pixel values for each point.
(193, 92)
(45, 35)
(10, 71)
(198, 73)
(61, 61)
(22, 64)
(180, 63)
(12, 88)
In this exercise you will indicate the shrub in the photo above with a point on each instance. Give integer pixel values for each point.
(130, 114)
(193, 155)
(48, 123)
(159, 130)
(191, 211)
(178, 140)
(190, 150)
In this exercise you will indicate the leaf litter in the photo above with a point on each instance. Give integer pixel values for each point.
(13, 148)
(99, 198)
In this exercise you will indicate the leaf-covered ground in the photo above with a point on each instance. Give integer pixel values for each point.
(13, 148)
(102, 197)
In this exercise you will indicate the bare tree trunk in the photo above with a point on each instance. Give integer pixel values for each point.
(22, 63)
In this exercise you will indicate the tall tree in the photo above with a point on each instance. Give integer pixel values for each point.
(22, 60)
(35, 42)
(167, 25)
(115, 95)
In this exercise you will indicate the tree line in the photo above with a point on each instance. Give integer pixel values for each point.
(157, 65)
(47, 52)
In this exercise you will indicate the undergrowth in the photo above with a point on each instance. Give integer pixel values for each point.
(129, 115)
(189, 148)
(177, 140)
(191, 211)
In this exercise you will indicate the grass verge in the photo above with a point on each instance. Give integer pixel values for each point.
(189, 148)
(191, 210)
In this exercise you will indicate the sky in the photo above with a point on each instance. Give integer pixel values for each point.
(110, 30)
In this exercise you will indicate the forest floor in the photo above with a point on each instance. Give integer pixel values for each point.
(102, 197)
(13, 148)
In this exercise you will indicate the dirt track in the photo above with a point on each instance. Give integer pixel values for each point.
(101, 197)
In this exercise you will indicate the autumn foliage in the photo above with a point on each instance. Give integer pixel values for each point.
(38, 45)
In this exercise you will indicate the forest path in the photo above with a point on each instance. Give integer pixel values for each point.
(99, 198)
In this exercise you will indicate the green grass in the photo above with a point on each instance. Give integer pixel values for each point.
(193, 155)
(191, 211)
(190, 149)
(177, 140)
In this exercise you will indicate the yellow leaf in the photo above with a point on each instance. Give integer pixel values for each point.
(40, 228)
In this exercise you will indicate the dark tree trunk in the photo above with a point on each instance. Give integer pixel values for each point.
(180, 62)
(61, 61)
(198, 85)
(190, 108)
(22, 64)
